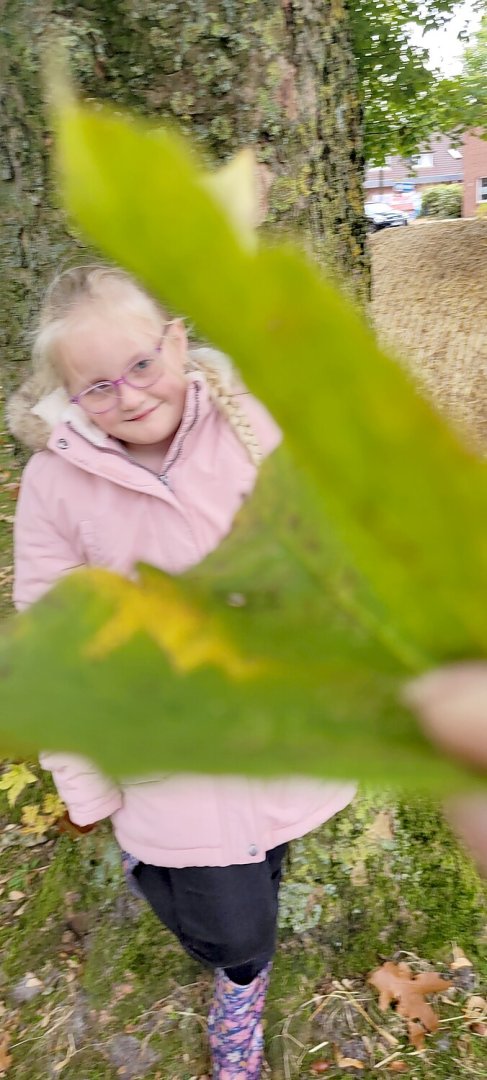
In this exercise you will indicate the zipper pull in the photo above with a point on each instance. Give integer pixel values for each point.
(164, 480)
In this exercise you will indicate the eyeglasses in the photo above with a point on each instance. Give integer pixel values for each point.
(105, 395)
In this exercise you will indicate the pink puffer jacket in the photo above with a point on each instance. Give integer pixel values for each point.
(83, 502)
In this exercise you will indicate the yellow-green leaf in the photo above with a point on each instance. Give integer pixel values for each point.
(14, 780)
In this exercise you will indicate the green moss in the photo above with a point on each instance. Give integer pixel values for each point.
(39, 928)
(151, 954)
(439, 883)
(417, 890)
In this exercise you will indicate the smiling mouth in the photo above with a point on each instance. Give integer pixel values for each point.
(142, 415)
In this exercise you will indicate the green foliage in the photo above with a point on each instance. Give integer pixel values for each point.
(404, 100)
(470, 89)
(304, 675)
(474, 77)
(442, 201)
(465, 96)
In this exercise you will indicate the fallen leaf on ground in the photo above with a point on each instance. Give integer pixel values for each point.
(479, 1029)
(416, 1033)
(19, 911)
(120, 992)
(79, 923)
(476, 1006)
(319, 1067)
(459, 959)
(15, 779)
(359, 874)
(5, 1057)
(397, 1066)
(381, 827)
(396, 983)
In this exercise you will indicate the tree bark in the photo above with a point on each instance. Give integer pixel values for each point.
(278, 75)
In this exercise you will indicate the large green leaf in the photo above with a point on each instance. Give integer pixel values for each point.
(361, 558)
(409, 501)
(251, 664)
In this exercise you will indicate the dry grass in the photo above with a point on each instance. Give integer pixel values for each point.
(429, 306)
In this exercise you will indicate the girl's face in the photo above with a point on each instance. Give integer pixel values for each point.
(101, 345)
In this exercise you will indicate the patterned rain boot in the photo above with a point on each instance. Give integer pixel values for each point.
(235, 1027)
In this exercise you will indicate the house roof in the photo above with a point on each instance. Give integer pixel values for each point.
(445, 169)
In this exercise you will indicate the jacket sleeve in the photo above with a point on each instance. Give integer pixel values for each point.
(89, 796)
(42, 554)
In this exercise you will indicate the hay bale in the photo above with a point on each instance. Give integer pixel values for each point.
(429, 307)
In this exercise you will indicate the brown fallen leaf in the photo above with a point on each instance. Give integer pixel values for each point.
(475, 1011)
(319, 1067)
(121, 991)
(479, 1028)
(416, 1033)
(349, 1063)
(396, 983)
(397, 1066)
(476, 1003)
(5, 1057)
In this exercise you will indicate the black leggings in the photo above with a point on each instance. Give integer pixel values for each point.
(224, 916)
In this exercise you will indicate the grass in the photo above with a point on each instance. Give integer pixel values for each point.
(107, 968)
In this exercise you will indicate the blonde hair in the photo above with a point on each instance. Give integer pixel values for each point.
(101, 283)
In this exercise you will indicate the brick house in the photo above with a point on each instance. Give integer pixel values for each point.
(475, 173)
(439, 162)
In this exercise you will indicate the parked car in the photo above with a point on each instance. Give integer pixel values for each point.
(382, 216)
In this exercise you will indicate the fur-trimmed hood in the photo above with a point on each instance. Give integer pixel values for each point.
(32, 413)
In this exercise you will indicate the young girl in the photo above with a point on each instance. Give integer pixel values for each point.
(146, 450)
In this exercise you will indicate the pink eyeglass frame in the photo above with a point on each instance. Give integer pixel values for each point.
(122, 381)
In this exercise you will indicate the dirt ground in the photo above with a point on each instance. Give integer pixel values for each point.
(429, 305)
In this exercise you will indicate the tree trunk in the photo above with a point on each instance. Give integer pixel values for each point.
(279, 75)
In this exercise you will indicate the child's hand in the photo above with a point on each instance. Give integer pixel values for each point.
(452, 704)
(66, 825)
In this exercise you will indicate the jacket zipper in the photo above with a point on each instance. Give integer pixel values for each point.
(181, 438)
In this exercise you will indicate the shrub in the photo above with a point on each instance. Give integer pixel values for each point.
(442, 201)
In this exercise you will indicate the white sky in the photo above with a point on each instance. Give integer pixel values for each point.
(444, 48)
